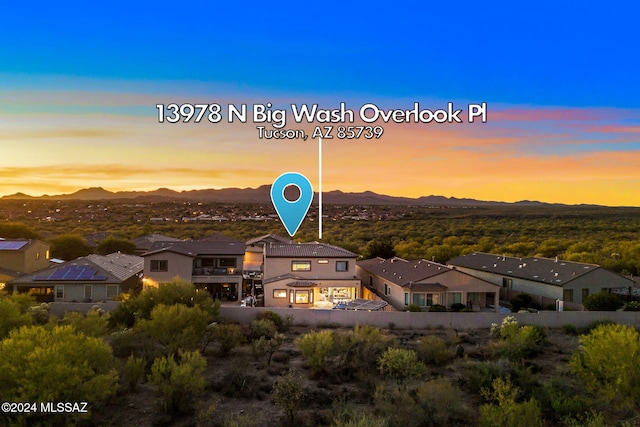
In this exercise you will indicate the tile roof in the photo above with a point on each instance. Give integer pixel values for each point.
(122, 266)
(402, 272)
(195, 248)
(307, 250)
(268, 238)
(145, 242)
(302, 284)
(537, 269)
(282, 277)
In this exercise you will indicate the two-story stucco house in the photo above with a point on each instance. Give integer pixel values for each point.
(22, 256)
(215, 265)
(308, 275)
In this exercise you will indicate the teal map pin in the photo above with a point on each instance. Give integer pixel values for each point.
(291, 213)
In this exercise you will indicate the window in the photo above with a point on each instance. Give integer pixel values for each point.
(59, 291)
(567, 295)
(279, 293)
(420, 299)
(46, 254)
(342, 265)
(37, 256)
(454, 298)
(300, 265)
(304, 297)
(473, 297)
(585, 293)
(323, 261)
(159, 265)
(88, 292)
(387, 289)
(112, 291)
(227, 262)
(507, 283)
(406, 298)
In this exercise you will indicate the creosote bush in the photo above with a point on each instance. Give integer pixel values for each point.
(315, 348)
(433, 351)
(401, 365)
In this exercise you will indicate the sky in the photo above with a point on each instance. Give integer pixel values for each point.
(79, 85)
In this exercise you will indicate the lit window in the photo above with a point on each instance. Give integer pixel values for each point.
(342, 265)
(279, 293)
(159, 265)
(302, 297)
(323, 261)
(37, 256)
(300, 265)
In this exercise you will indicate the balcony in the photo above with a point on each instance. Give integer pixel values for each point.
(215, 271)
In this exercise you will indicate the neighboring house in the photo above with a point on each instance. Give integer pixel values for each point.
(553, 279)
(22, 256)
(215, 265)
(143, 243)
(425, 283)
(308, 275)
(87, 279)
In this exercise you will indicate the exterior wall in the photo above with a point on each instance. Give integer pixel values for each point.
(74, 292)
(33, 258)
(595, 281)
(278, 266)
(407, 320)
(522, 285)
(179, 265)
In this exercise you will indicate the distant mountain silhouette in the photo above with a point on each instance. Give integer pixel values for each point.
(261, 195)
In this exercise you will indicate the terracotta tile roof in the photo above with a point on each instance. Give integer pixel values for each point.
(307, 250)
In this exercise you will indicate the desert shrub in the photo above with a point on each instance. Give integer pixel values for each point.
(560, 400)
(93, 324)
(228, 336)
(267, 346)
(288, 394)
(440, 402)
(569, 329)
(480, 375)
(133, 342)
(458, 306)
(602, 301)
(263, 328)
(177, 291)
(433, 351)
(40, 313)
(365, 345)
(134, 371)
(516, 342)
(588, 419)
(178, 381)
(176, 326)
(41, 365)
(12, 316)
(273, 317)
(600, 322)
(505, 410)
(397, 406)
(238, 383)
(632, 306)
(607, 362)
(437, 308)
(507, 327)
(315, 347)
(414, 308)
(360, 420)
(401, 365)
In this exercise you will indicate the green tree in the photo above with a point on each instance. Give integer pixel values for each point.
(288, 394)
(602, 301)
(178, 378)
(15, 230)
(228, 335)
(401, 365)
(40, 365)
(608, 361)
(379, 248)
(112, 244)
(315, 347)
(69, 247)
(176, 326)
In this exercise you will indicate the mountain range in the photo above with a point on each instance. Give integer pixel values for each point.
(260, 195)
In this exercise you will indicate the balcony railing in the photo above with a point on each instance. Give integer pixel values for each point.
(215, 271)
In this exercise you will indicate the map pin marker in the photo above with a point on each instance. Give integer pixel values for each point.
(291, 213)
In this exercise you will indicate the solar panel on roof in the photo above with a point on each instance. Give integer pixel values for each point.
(72, 273)
(8, 245)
